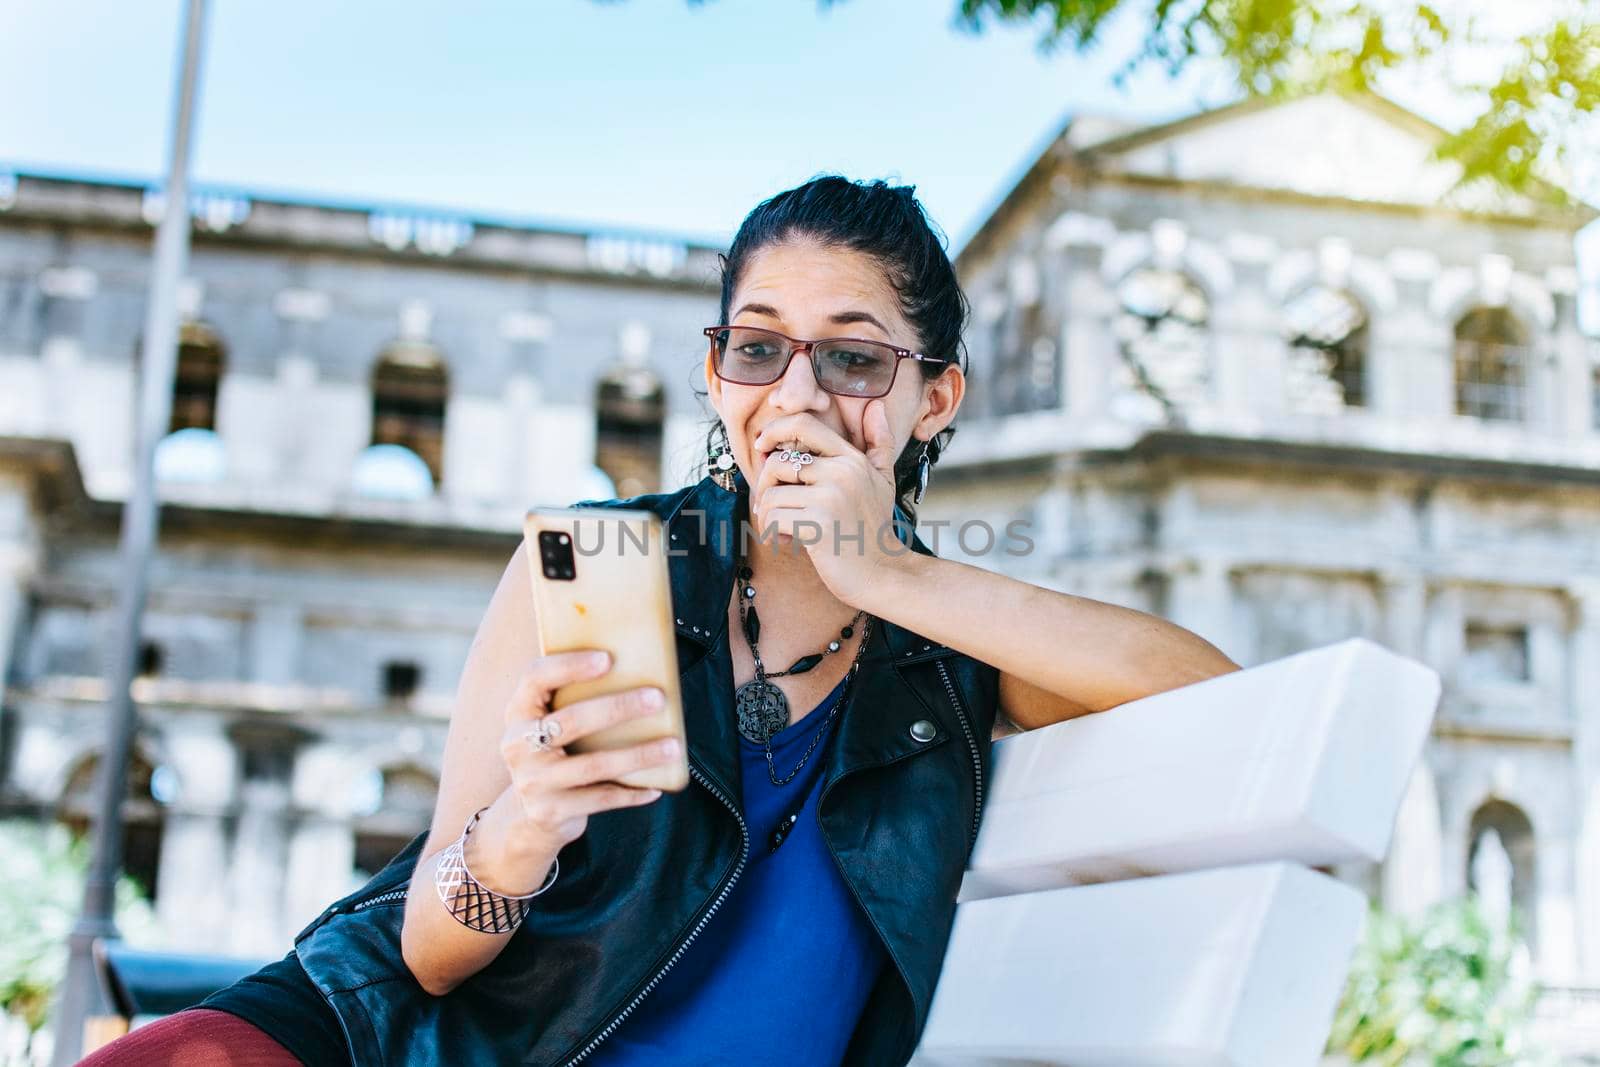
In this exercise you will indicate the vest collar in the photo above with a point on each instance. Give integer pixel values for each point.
(701, 526)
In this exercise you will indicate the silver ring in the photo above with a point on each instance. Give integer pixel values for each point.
(797, 457)
(544, 731)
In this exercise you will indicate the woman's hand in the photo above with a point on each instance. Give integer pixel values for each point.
(842, 506)
(553, 792)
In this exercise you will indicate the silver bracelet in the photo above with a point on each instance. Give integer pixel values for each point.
(470, 902)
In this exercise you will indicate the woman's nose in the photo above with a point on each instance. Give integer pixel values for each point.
(798, 390)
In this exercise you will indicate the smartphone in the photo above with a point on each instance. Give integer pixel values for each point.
(600, 581)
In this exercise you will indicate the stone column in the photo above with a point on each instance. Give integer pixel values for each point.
(1200, 597)
(11, 602)
(257, 876)
(1392, 335)
(322, 849)
(1089, 356)
(1404, 599)
(1586, 883)
(1557, 950)
(1572, 416)
(1246, 353)
(194, 848)
(1583, 656)
(274, 638)
(1413, 870)
(1414, 373)
(18, 558)
(1408, 880)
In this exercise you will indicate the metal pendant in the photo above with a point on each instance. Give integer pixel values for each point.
(763, 710)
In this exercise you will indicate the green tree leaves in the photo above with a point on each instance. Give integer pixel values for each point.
(1442, 990)
(1533, 115)
(39, 900)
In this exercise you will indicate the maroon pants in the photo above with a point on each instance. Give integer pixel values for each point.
(199, 1037)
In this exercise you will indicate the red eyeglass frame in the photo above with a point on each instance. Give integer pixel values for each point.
(796, 345)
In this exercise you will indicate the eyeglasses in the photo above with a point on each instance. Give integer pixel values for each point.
(844, 366)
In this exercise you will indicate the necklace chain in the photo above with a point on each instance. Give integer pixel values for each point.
(746, 592)
(849, 679)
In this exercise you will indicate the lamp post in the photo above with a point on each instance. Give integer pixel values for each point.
(80, 992)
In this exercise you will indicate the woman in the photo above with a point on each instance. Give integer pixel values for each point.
(791, 905)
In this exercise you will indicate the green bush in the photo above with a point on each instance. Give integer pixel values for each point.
(1438, 990)
(40, 897)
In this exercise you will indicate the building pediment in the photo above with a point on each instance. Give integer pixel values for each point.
(1341, 146)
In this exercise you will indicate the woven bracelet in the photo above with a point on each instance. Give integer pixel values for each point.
(470, 902)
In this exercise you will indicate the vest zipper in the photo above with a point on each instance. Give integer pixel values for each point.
(727, 887)
(381, 898)
(972, 746)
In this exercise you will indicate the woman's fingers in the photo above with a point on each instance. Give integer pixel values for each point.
(531, 699)
(552, 809)
(590, 767)
(585, 717)
(557, 791)
(813, 434)
(567, 787)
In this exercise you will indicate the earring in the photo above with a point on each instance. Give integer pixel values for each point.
(719, 460)
(924, 472)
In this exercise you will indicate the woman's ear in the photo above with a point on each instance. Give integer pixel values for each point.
(713, 383)
(940, 401)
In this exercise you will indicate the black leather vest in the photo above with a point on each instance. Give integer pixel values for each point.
(899, 815)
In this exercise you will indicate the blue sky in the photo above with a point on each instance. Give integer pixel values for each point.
(643, 113)
(658, 115)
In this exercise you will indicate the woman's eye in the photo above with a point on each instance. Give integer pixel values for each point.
(756, 350)
(846, 358)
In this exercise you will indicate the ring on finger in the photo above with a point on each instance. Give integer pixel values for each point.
(543, 734)
(797, 457)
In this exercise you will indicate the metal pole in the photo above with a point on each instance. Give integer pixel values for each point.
(81, 995)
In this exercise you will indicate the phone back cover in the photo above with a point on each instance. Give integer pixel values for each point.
(621, 601)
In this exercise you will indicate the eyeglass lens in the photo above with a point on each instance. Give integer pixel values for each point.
(751, 356)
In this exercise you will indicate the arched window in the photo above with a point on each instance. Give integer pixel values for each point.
(1501, 865)
(1491, 361)
(1162, 334)
(630, 413)
(142, 816)
(410, 385)
(1327, 334)
(201, 359)
(402, 809)
(1024, 371)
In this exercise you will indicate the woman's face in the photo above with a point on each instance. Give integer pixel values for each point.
(807, 291)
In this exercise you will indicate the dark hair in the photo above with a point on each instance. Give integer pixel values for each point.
(887, 223)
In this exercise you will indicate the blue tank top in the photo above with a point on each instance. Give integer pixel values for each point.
(781, 971)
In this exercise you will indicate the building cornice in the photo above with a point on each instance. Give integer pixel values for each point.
(60, 492)
(458, 241)
(52, 468)
(1155, 446)
(1340, 458)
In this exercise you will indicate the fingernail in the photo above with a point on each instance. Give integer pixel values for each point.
(654, 698)
(669, 747)
(599, 659)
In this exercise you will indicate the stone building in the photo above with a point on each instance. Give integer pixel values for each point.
(1263, 371)
(367, 401)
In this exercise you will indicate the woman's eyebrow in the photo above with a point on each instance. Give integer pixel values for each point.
(841, 318)
(845, 318)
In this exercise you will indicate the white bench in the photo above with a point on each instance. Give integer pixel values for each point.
(1140, 892)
